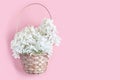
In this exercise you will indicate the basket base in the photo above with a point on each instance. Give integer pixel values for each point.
(35, 63)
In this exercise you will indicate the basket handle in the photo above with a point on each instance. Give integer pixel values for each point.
(32, 4)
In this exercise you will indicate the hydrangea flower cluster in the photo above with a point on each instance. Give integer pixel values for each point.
(33, 40)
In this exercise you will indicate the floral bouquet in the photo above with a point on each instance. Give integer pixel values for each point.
(34, 46)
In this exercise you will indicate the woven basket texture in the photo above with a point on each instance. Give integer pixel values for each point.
(34, 63)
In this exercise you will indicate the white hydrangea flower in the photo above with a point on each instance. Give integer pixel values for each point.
(48, 29)
(35, 40)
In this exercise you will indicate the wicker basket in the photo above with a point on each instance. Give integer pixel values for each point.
(34, 63)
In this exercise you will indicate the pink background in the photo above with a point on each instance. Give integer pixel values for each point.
(90, 48)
